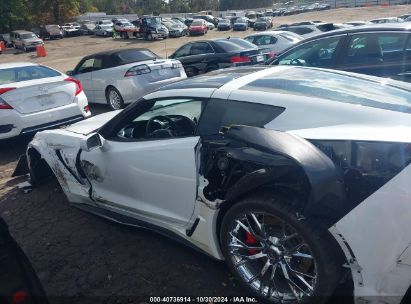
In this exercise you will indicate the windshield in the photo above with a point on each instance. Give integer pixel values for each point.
(261, 20)
(28, 36)
(241, 20)
(235, 44)
(153, 21)
(197, 23)
(224, 21)
(26, 73)
(105, 27)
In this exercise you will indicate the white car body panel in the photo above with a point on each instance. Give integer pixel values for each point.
(375, 233)
(281, 43)
(148, 162)
(40, 103)
(133, 87)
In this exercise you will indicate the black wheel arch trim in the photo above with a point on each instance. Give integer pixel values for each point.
(276, 153)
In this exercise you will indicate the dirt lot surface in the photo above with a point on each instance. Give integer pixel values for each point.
(77, 254)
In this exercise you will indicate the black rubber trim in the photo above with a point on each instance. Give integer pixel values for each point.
(53, 124)
(60, 157)
(190, 231)
(6, 128)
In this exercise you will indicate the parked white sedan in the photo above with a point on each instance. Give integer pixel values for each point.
(274, 41)
(35, 97)
(119, 77)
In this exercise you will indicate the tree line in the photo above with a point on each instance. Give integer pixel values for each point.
(17, 14)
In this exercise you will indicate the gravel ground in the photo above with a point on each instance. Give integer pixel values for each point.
(79, 255)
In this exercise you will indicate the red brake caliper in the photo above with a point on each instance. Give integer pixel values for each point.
(250, 240)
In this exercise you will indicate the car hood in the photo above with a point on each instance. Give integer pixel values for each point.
(92, 124)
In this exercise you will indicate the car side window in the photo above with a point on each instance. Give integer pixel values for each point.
(87, 66)
(163, 119)
(375, 48)
(301, 30)
(224, 113)
(265, 40)
(250, 39)
(183, 51)
(200, 48)
(317, 53)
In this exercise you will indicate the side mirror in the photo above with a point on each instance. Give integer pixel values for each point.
(92, 142)
(70, 73)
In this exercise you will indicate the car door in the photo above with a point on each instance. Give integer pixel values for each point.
(379, 54)
(147, 169)
(201, 56)
(321, 52)
(83, 72)
(99, 79)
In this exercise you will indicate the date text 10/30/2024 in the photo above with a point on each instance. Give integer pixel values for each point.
(202, 300)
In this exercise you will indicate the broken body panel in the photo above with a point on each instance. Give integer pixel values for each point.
(357, 180)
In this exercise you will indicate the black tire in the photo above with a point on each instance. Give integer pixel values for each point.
(119, 104)
(323, 249)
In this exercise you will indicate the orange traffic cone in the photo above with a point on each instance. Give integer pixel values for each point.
(41, 51)
(2, 46)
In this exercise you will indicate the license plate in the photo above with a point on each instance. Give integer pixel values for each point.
(46, 101)
(163, 72)
(260, 58)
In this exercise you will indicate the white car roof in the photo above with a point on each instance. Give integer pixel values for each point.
(16, 65)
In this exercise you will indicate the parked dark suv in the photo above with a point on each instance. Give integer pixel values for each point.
(378, 50)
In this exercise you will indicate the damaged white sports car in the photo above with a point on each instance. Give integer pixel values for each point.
(297, 177)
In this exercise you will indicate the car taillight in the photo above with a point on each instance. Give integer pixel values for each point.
(19, 297)
(240, 59)
(87, 108)
(138, 70)
(4, 105)
(271, 54)
(78, 84)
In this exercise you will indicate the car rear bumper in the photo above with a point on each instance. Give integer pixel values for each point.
(135, 87)
(13, 124)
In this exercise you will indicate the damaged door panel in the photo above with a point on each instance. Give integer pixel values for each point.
(62, 159)
(154, 179)
(244, 159)
(378, 234)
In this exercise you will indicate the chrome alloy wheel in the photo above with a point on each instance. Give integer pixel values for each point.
(114, 100)
(272, 257)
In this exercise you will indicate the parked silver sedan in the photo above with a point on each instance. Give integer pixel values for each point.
(119, 77)
(274, 41)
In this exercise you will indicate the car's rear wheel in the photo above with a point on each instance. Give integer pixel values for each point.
(114, 99)
(277, 256)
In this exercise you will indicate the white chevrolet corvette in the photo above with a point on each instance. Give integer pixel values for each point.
(297, 177)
